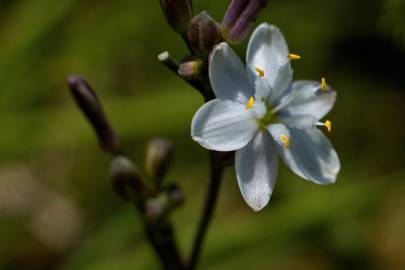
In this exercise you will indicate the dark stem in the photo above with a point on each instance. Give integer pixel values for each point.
(160, 233)
(161, 236)
(217, 166)
(218, 162)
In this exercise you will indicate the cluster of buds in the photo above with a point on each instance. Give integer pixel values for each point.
(126, 178)
(202, 33)
(153, 200)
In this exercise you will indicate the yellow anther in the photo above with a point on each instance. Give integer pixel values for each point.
(260, 72)
(285, 141)
(324, 86)
(250, 103)
(292, 56)
(328, 125)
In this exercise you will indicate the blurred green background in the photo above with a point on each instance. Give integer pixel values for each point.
(57, 208)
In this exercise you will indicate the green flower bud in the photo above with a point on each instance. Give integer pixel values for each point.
(156, 209)
(203, 34)
(175, 195)
(126, 179)
(159, 156)
(167, 201)
(177, 13)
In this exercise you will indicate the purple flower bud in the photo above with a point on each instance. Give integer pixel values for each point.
(203, 34)
(235, 8)
(239, 17)
(89, 104)
(178, 13)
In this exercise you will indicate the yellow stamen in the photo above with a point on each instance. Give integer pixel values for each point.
(285, 140)
(292, 56)
(328, 125)
(324, 86)
(260, 72)
(250, 103)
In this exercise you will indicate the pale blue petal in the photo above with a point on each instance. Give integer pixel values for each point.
(309, 99)
(311, 156)
(299, 121)
(262, 89)
(256, 169)
(223, 125)
(268, 51)
(282, 83)
(228, 75)
(277, 131)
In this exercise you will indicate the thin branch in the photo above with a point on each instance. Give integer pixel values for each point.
(202, 86)
(218, 162)
(168, 61)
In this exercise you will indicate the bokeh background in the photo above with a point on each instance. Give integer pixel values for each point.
(57, 208)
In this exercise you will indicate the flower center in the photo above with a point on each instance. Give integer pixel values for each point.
(267, 116)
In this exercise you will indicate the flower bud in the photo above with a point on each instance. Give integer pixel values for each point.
(158, 207)
(190, 68)
(89, 104)
(203, 34)
(239, 17)
(159, 156)
(178, 13)
(126, 179)
(175, 195)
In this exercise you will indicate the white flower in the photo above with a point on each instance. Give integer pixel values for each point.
(260, 112)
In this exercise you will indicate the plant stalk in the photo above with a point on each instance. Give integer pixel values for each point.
(217, 166)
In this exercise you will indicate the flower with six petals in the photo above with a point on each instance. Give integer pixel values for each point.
(260, 113)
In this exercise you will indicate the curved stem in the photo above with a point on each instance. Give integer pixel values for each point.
(217, 166)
